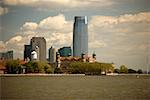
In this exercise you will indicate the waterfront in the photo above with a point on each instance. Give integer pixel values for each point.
(125, 87)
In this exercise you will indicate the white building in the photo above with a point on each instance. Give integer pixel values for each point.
(34, 56)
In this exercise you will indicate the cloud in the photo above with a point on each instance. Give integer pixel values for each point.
(3, 10)
(60, 39)
(123, 24)
(103, 21)
(124, 36)
(2, 46)
(60, 3)
(29, 26)
(15, 43)
(15, 39)
(97, 44)
(140, 17)
(19, 2)
(56, 23)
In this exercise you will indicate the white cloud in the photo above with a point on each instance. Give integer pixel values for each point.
(140, 17)
(97, 44)
(19, 2)
(2, 46)
(128, 23)
(29, 26)
(60, 39)
(102, 21)
(124, 35)
(3, 10)
(60, 3)
(16, 44)
(56, 23)
(15, 39)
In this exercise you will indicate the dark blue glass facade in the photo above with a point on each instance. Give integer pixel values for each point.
(80, 36)
(65, 51)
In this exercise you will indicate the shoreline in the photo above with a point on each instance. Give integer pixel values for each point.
(39, 74)
(5, 75)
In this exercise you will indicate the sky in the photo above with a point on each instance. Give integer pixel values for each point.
(119, 30)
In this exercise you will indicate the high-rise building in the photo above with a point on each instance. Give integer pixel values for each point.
(40, 43)
(6, 55)
(27, 52)
(52, 55)
(80, 36)
(65, 51)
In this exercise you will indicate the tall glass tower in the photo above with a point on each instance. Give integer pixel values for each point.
(80, 36)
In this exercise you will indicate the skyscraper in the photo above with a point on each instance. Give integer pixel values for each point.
(39, 42)
(52, 55)
(80, 36)
(27, 52)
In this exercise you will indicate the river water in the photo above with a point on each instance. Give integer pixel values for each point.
(75, 87)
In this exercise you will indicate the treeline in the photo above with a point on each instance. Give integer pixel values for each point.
(124, 70)
(14, 67)
(90, 68)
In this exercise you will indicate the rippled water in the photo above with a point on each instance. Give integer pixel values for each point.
(75, 88)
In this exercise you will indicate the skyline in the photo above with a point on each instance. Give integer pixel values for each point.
(118, 30)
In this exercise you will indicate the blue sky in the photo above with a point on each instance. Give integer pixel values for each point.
(119, 30)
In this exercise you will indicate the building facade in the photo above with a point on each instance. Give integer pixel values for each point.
(65, 51)
(27, 52)
(38, 44)
(52, 55)
(6, 55)
(80, 36)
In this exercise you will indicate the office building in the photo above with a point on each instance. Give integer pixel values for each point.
(52, 55)
(80, 36)
(65, 51)
(38, 44)
(27, 52)
(6, 55)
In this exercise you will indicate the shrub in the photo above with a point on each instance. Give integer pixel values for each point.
(38, 67)
(89, 68)
(13, 67)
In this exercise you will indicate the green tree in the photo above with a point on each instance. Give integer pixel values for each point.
(90, 68)
(29, 67)
(58, 71)
(123, 69)
(116, 70)
(139, 71)
(48, 69)
(38, 67)
(13, 66)
(131, 71)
